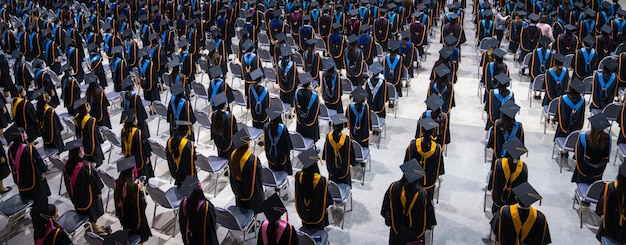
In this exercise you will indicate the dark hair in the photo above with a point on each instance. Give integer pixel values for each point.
(74, 158)
(308, 175)
(272, 226)
(42, 220)
(219, 121)
(41, 105)
(597, 139)
(426, 141)
(353, 52)
(126, 183)
(178, 136)
(506, 122)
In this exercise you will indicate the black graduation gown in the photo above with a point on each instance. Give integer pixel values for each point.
(54, 236)
(120, 70)
(149, 80)
(456, 30)
(416, 213)
(25, 116)
(288, 237)
(197, 223)
(30, 165)
(506, 175)
(497, 139)
(382, 31)
(442, 132)
(339, 156)
(332, 92)
(392, 69)
(307, 108)
(366, 44)
(278, 149)
(217, 86)
(377, 99)
(431, 161)
(249, 62)
(621, 121)
(141, 116)
(584, 67)
(84, 187)
(486, 28)
(259, 101)
(51, 128)
(446, 93)
(359, 123)
(136, 144)
(603, 90)
(311, 204)
(43, 81)
(590, 162)
(98, 68)
(287, 81)
(314, 66)
(541, 60)
(354, 67)
(184, 165)
(6, 80)
(604, 46)
(556, 84)
(222, 136)
(336, 47)
(569, 120)
(495, 100)
(566, 44)
(515, 31)
(87, 129)
(99, 109)
(179, 109)
(407, 51)
(529, 38)
(608, 207)
(131, 211)
(23, 77)
(75, 58)
(71, 93)
(248, 185)
(503, 226)
(5, 171)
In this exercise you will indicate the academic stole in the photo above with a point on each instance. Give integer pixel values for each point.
(407, 212)
(425, 155)
(316, 180)
(181, 146)
(128, 141)
(508, 176)
(337, 147)
(522, 230)
(16, 102)
(622, 216)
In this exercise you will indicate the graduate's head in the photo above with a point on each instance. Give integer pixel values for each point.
(428, 125)
(256, 75)
(49, 213)
(128, 85)
(558, 60)
(329, 68)
(514, 148)
(309, 160)
(305, 79)
(359, 95)
(610, 66)
(75, 150)
(273, 208)
(15, 134)
(597, 137)
(526, 195)
(394, 46)
(241, 140)
(503, 81)
(338, 121)
(191, 189)
(412, 172)
(498, 55)
(81, 106)
(434, 103)
(128, 117)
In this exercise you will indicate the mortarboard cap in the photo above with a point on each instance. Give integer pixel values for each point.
(153, 37)
(45, 32)
(258, 73)
(544, 41)
(446, 52)
(240, 138)
(306, 18)
(503, 79)
(450, 39)
(277, 13)
(559, 58)
(509, 108)
(607, 29)
(90, 78)
(589, 40)
(610, 65)
(155, 8)
(106, 26)
(182, 123)
(412, 170)
(73, 144)
(210, 46)
(248, 45)
(311, 42)
(488, 13)
(273, 112)
(285, 51)
(359, 94)
(621, 12)
(376, 68)
(128, 83)
(393, 45)
(338, 119)
(117, 238)
(17, 54)
(428, 124)
(453, 16)
(442, 70)
(499, 53)
(392, 7)
(143, 18)
(11, 133)
(434, 102)
(173, 63)
(605, 5)
(354, 12)
(515, 148)
(126, 164)
(352, 39)
(304, 78)
(219, 99)
(281, 38)
(405, 34)
(182, 43)
(69, 23)
(526, 194)
(599, 121)
(329, 64)
(215, 72)
(382, 10)
(189, 185)
(522, 13)
(79, 103)
(273, 208)
(127, 34)
(37, 63)
(590, 12)
(577, 86)
(336, 26)
(579, 5)
(309, 158)
(128, 116)
(570, 27)
(365, 28)
(38, 93)
(533, 17)
(117, 50)
(177, 89)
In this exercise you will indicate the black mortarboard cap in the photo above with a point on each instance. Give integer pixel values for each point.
(215, 72)
(128, 83)
(304, 78)
(521, 13)
(153, 37)
(338, 119)
(544, 41)
(273, 208)
(79, 103)
(69, 23)
(306, 18)
(309, 158)
(354, 12)
(17, 54)
(219, 99)
(155, 8)
(45, 32)
(11, 133)
(336, 26)
(376, 68)
(117, 238)
(248, 45)
(128, 115)
(285, 51)
(579, 5)
(488, 13)
(412, 170)
(599, 121)
(589, 40)
(177, 89)
(73, 144)
(610, 65)
(122, 17)
(189, 185)
(621, 12)
(533, 17)
(392, 6)
(328, 64)
(590, 12)
(280, 37)
(365, 28)
(515, 148)
(393, 45)
(526, 194)
(92, 47)
(434, 102)
(442, 70)
(37, 63)
(143, 18)
(90, 78)
(277, 13)
(607, 29)
(577, 86)
(405, 34)
(503, 79)
(382, 10)
(509, 108)
(210, 46)
(125, 164)
(117, 50)
(106, 26)
(450, 39)
(182, 43)
(258, 73)
(311, 42)
(38, 93)
(189, 23)
(273, 112)
(428, 124)
(570, 27)
(353, 39)
(499, 53)
(559, 58)
(240, 138)
(446, 52)
(359, 94)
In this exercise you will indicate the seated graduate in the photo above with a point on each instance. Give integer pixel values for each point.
(605, 86)
(98, 102)
(585, 58)
(278, 144)
(442, 133)
(83, 185)
(571, 112)
(611, 207)
(50, 124)
(312, 59)
(49, 232)
(393, 66)
(250, 61)
(24, 114)
(43, 81)
(223, 126)
(429, 155)
(71, 90)
(245, 174)
(274, 230)
(353, 61)
(376, 88)
(181, 154)
(307, 107)
(312, 197)
(135, 143)
(258, 99)
(406, 205)
(556, 80)
(218, 85)
(508, 172)
(592, 151)
(197, 214)
(130, 202)
(130, 99)
(87, 129)
(496, 98)
(338, 152)
(331, 86)
(442, 87)
(493, 69)
(358, 114)
(520, 223)
(179, 109)
(506, 128)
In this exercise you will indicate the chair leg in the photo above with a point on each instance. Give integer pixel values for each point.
(154, 214)
(108, 196)
(217, 176)
(109, 158)
(175, 221)
(158, 125)
(485, 200)
(60, 184)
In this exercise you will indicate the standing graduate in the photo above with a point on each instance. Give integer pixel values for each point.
(75, 57)
(179, 109)
(504, 129)
(223, 126)
(135, 143)
(442, 87)
(87, 129)
(377, 90)
(497, 97)
(49, 122)
(130, 202)
(258, 99)
(49, 231)
(286, 79)
(353, 61)
(197, 214)
(96, 65)
(611, 207)
(493, 69)
(567, 43)
(274, 230)
(148, 78)
(181, 154)
(571, 113)
(338, 152)
(406, 207)
(43, 81)
(507, 173)
(71, 90)
(307, 107)
(442, 133)
(83, 185)
(382, 29)
(392, 65)
(278, 144)
(358, 115)
(556, 80)
(312, 60)
(24, 114)
(592, 151)
(245, 174)
(585, 59)
(217, 85)
(250, 61)
(331, 86)
(529, 37)
(98, 102)
(336, 45)
(311, 195)
(366, 44)
(604, 86)
(429, 155)
(119, 70)
(131, 100)
(521, 223)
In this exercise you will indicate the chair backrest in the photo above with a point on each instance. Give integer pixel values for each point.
(357, 149)
(612, 111)
(323, 112)
(240, 22)
(268, 176)
(333, 189)
(93, 238)
(158, 149)
(379, 50)
(203, 64)
(58, 163)
(526, 62)
(297, 140)
(111, 137)
(264, 55)
(270, 74)
(275, 101)
(572, 139)
(320, 45)
(291, 42)
(553, 107)
(165, 78)
(239, 99)
(235, 69)
(226, 219)
(346, 86)
(488, 135)
(568, 60)
(305, 239)
(203, 163)
(108, 180)
(539, 82)
(70, 124)
(158, 196)
(603, 61)
(595, 190)
(588, 82)
(619, 48)
(297, 58)
(263, 38)
(199, 89)
(203, 119)
(374, 121)
(366, 68)
(405, 74)
(392, 94)
(234, 48)
(160, 108)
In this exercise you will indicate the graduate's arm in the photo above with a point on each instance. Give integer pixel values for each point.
(38, 161)
(601, 206)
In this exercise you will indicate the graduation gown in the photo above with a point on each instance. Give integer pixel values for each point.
(84, 187)
(288, 234)
(27, 169)
(25, 116)
(566, 44)
(405, 207)
(259, 101)
(339, 156)
(571, 115)
(366, 44)
(307, 107)
(278, 148)
(136, 145)
(43, 81)
(604, 46)
(71, 93)
(311, 204)
(354, 67)
(506, 174)
(407, 51)
(431, 161)
(324, 25)
(248, 184)
(515, 31)
(149, 80)
(584, 62)
(418, 31)
(222, 136)
(504, 225)
(499, 136)
(377, 99)
(120, 71)
(603, 90)
(87, 130)
(75, 58)
(529, 38)
(608, 207)
(287, 81)
(5, 171)
(336, 48)
(99, 105)
(621, 121)
(590, 162)
(217, 86)
(556, 84)
(486, 28)
(313, 66)
(249, 62)
(179, 109)
(51, 128)
(382, 31)
(541, 60)
(131, 210)
(136, 103)
(456, 30)
(197, 223)
(442, 133)
(392, 69)
(447, 94)
(184, 164)
(98, 68)
(131, 53)
(359, 123)
(23, 77)
(332, 92)
(492, 106)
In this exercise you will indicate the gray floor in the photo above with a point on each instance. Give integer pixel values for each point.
(460, 217)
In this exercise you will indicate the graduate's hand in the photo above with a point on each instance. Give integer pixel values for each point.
(3, 160)
(43, 176)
